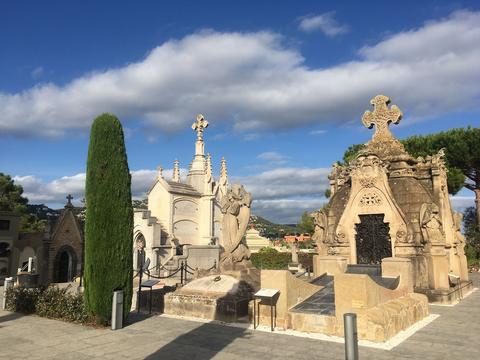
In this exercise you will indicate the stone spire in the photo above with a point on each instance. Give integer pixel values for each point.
(223, 171)
(208, 167)
(198, 170)
(159, 172)
(176, 171)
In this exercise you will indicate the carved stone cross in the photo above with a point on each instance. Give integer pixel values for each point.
(69, 200)
(381, 116)
(199, 126)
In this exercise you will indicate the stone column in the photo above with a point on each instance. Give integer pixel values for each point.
(438, 267)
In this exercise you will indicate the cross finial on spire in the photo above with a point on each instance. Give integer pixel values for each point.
(160, 172)
(199, 125)
(69, 201)
(381, 116)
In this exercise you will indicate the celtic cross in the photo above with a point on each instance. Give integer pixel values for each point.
(381, 116)
(199, 125)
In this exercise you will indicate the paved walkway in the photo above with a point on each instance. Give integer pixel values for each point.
(454, 335)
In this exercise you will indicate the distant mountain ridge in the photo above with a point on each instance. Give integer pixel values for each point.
(270, 229)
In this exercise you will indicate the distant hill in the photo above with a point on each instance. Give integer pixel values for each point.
(43, 212)
(270, 229)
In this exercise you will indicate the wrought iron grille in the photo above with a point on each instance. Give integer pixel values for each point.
(372, 239)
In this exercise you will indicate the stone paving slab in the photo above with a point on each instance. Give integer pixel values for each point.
(454, 335)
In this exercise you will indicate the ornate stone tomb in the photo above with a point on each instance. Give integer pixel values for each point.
(387, 203)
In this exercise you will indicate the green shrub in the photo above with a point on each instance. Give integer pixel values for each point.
(271, 259)
(51, 302)
(21, 299)
(109, 220)
(58, 303)
(268, 250)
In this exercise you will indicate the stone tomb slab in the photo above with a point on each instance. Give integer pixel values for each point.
(214, 297)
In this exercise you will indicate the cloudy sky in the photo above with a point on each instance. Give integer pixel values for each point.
(283, 85)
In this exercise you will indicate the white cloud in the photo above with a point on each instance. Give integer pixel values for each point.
(256, 81)
(54, 192)
(286, 182)
(251, 137)
(292, 189)
(37, 73)
(324, 22)
(273, 157)
(318, 132)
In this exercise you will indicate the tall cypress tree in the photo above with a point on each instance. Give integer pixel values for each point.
(109, 220)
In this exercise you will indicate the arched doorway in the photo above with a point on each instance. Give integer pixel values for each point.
(65, 265)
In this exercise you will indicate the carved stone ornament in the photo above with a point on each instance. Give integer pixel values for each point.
(320, 227)
(332, 250)
(370, 199)
(367, 182)
(401, 236)
(340, 237)
(431, 224)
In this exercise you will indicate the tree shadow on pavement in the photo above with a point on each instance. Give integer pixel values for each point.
(201, 343)
(9, 316)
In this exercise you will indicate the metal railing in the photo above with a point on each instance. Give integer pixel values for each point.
(184, 270)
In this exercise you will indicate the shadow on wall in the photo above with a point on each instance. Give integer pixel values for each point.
(201, 343)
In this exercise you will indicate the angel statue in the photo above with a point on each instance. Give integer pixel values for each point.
(235, 206)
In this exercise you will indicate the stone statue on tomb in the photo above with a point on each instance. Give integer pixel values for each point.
(320, 230)
(295, 252)
(458, 218)
(431, 224)
(235, 206)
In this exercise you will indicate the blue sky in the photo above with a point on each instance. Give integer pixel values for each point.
(283, 85)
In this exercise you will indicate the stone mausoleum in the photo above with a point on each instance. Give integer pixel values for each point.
(184, 218)
(387, 204)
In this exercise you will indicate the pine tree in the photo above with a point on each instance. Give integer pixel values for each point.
(109, 221)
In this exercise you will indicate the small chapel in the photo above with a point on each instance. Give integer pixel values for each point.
(388, 204)
(184, 218)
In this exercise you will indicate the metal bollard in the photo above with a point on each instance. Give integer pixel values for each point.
(351, 337)
(117, 310)
(8, 282)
